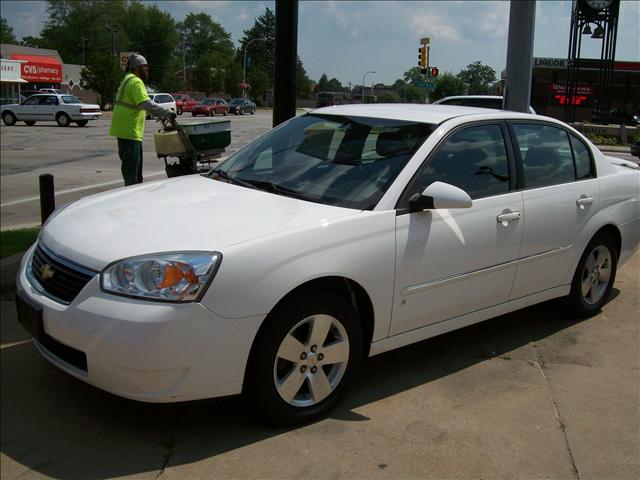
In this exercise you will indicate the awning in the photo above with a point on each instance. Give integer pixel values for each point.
(39, 69)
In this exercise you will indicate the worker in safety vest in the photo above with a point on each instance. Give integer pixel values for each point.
(129, 113)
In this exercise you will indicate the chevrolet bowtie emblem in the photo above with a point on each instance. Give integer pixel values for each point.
(46, 272)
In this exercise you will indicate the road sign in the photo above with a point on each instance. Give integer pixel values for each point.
(124, 59)
(427, 85)
(425, 41)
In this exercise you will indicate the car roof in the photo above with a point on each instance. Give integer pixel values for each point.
(431, 113)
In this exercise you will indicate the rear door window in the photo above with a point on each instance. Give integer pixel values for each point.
(546, 155)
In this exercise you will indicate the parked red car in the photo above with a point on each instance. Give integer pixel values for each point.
(184, 102)
(210, 106)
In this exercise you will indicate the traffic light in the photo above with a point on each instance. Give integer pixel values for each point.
(434, 72)
(423, 56)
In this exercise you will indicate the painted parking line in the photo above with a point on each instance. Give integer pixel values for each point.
(73, 190)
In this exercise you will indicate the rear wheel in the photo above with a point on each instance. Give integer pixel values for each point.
(31, 123)
(82, 123)
(306, 359)
(63, 120)
(9, 118)
(594, 276)
(193, 114)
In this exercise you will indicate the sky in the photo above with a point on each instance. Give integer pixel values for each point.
(344, 39)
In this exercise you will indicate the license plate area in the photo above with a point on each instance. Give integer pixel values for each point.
(29, 315)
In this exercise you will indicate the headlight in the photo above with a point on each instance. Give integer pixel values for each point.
(169, 277)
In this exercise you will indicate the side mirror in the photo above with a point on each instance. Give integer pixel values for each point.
(439, 195)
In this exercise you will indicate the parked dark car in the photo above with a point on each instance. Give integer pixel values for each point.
(635, 149)
(240, 106)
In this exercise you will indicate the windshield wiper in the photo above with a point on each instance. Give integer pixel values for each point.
(275, 188)
(228, 178)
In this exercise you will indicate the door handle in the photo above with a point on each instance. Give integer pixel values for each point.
(583, 201)
(507, 217)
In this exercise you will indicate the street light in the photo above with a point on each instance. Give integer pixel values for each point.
(244, 66)
(365, 74)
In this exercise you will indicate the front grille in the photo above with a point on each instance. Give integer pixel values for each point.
(59, 278)
(64, 352)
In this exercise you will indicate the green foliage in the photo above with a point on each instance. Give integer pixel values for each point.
(16, 241)
(35, 42)
(333, 85)
(601, 139)
(260, 54)
(207, 77)
(447, 84)
(478, 78)
(413, 75)
(388, 97)
(303, 82)
(6, 32)
(203, 36)
(103, 75)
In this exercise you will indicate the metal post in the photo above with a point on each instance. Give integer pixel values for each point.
(47, 196)
(522, 16)
(244, 65)
(286, 55)
(365, 74)
(184, 69)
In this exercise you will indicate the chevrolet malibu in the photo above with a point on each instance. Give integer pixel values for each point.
(338, 235)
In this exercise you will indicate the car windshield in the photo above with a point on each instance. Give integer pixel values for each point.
(70, 99)
(335, 160)
(208, 101)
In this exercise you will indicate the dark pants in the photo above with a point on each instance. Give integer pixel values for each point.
(130, 152)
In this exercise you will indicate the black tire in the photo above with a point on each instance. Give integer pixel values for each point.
(260, 383)
(179, 111)
(82, 123)
(31, 123)
(253, 111)
(193, 114)
(63, 120)
(224, 112)
(9, 119)
(587, 304)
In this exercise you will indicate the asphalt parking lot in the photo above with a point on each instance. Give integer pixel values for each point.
(532, 394)
(83, 160)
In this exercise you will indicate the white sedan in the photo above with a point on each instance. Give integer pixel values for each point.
(340, 234)
(164, 100)
(48, 107)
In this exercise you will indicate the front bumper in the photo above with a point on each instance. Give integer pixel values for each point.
(146, 351)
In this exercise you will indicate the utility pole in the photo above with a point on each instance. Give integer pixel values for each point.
(517, 92)
(83, 39)
(244, 66)
(184, 68)
(286, 55)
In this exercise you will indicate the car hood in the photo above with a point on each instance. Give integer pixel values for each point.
(179, 214)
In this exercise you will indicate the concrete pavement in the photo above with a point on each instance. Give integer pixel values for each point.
(532, 394)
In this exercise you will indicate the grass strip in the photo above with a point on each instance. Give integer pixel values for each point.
(16, 241)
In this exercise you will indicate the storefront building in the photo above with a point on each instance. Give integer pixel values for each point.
(10, 81)
(548, 89)
(40, 67)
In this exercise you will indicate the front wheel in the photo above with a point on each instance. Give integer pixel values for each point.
(63, 120)
(253, 111)
(224, 112)
(179, 111)
(594, 276)
(9, 119)
(305, 359)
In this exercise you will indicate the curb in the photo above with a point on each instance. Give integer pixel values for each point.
(8, 270)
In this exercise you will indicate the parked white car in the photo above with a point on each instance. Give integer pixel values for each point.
(164, 100)
(340, 234)
(481, 101)
(62, 109)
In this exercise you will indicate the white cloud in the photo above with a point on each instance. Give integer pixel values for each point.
(242, 15)
(435, 26)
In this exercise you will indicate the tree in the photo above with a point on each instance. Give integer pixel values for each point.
(103, 75)
(6, 32)
(413, 75)
(447, 84)
(388, 97)
(303, 82)
(478, 78)
(260, 53)
(203, 35)
(35, 42)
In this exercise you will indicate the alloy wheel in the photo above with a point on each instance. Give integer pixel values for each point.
(596, 274)
(311, 360)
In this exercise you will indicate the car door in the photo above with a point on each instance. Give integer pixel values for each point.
(27, 109)
(456, 261)
(560, 195)
(47, 107)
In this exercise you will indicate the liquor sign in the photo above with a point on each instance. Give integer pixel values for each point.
(541, 62)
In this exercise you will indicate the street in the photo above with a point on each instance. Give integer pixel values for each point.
(532, 394)
(84, 161)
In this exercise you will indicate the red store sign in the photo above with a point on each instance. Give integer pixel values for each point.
(39, 69)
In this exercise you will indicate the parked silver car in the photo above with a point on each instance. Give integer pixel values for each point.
(62, 109)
